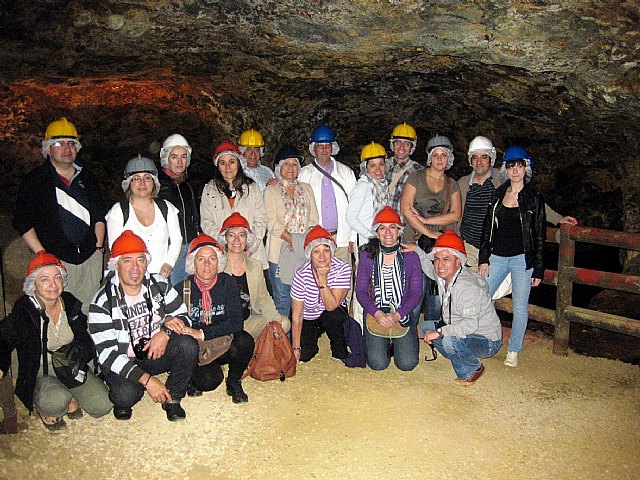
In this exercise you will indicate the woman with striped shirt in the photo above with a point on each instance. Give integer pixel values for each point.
(318, 290)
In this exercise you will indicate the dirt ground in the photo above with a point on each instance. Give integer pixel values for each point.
(553, 417)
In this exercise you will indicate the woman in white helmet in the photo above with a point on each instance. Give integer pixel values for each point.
(175, 157)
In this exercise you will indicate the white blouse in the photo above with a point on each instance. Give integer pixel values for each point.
(163, 238)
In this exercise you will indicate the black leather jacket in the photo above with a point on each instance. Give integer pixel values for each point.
(533, 220)
(182, 197)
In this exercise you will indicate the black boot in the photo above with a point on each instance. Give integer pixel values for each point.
(174, 411)
(235, 391)
(193, 391)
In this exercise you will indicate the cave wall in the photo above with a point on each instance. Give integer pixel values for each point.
(559, 77)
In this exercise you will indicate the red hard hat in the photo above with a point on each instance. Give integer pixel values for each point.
(43, 259)
(128, 242)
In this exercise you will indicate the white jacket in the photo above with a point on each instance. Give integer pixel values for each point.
(347, 179)
(360, 211)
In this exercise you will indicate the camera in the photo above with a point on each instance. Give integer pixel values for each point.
(440, 324)
(138, 348)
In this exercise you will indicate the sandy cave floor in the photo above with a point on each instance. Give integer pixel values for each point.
(553, 417)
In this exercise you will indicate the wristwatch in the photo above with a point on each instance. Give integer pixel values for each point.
(439, 330)
(322, 286)
(168, 331)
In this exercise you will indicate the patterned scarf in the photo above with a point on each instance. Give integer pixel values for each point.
(295, 210)
(205, 289)
(380, 191)
(381, 298)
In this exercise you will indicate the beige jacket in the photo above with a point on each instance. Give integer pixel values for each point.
(214, 210)
(274, 203)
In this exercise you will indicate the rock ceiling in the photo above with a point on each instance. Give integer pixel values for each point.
(559, 76)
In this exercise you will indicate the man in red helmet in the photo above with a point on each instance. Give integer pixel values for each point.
(135, 321)
(469, 328)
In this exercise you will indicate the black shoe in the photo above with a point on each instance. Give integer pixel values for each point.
(235, 391)
(174, 411)
(122, 413)
(193, 391)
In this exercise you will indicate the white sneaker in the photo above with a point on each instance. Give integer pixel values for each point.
(512, 359)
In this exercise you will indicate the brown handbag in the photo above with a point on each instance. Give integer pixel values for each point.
(212, 348)
(273, 356)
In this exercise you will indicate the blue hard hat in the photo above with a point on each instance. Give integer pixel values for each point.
(516, 152)
(322, 134)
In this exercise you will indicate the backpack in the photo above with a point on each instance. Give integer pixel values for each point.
(353, 336)
(162, 205)
(273, 355)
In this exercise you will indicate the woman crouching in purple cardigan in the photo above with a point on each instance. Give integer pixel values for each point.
(389, 286)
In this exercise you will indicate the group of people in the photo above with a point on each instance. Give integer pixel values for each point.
(305, 246)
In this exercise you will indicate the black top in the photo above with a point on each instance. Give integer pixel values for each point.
(182, 197)
(508, 241)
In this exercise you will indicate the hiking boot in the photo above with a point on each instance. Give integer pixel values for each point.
(174, 411)
(512, 359)
(235, 391)
(471, 379)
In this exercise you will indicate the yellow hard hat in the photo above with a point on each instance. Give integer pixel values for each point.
(61, 128)
(373, 150)
(251, 138)
(404, 130)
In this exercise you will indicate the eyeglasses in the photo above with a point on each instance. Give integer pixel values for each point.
(477, 158)
(142, 179)
(515, 163)
(60, 144)
(403, 143)
(234, 235)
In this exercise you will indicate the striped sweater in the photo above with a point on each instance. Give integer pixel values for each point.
(109, 327)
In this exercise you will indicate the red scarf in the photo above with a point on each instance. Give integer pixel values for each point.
(205, 289)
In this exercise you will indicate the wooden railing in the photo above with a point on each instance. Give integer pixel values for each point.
(567, 275)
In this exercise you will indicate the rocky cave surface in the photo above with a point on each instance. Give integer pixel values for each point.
(560, 77)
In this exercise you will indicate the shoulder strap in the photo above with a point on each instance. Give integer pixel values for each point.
(124, 206)
(396, 179)
(162, 205)
(186, 295)
(326, 174)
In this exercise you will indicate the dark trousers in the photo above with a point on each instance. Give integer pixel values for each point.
(209, 377)
(179, 359)
(330, 322)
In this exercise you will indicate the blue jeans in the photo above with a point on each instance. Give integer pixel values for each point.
(405, 349)
(499, 267)
(465, 352)
(431, 302)
(178, 273)
(281, 292)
